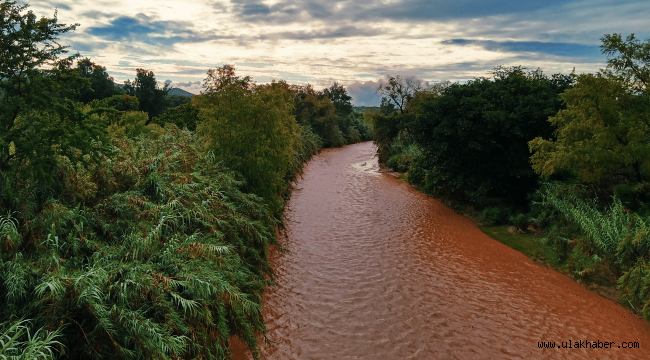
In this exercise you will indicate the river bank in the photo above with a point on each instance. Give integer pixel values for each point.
(528, 242)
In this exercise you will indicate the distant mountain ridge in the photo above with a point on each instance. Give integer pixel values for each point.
(172, 91)
(181, 92)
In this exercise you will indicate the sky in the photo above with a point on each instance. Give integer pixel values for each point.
(355, 43)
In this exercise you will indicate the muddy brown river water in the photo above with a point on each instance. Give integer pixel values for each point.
(378, 270)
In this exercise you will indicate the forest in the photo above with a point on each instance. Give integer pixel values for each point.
(565, 155)
(135, 224)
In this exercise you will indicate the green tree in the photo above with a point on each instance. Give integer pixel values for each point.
(183, 116)
(341, 100)
(101, 84)
(318, 112)
(475, 135)
(603, 133)
(629, 59)
(152, 98)
(252, 128)
(38, 119)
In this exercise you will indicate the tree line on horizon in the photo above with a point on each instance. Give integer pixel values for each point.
(134, 225)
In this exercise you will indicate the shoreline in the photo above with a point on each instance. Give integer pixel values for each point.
(527, 243)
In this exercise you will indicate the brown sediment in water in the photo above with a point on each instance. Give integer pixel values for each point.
(378, 270)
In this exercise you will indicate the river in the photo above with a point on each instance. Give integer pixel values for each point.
(378, 270)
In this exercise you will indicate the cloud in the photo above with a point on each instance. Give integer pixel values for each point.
(292, 11)
(560, 49)
(339, 32)
(86, 47)
(144, 29)
(364, 94)
(458, 9)
(56, 4)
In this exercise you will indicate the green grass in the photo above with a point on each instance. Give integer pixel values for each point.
(528, 244)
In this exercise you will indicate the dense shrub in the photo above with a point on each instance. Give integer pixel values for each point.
(615, 235)
(476, 134)
(154, 254)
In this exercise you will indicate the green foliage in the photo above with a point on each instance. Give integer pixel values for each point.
(101, 84)
(318, 112)
(330, 115)
(133, 124)
(386, 131)
(476, 134)
(122, 102)
(37, 118)
(495, 215)
(357, 129)
(152, 99)
(602, 134)
(251, 129)
(634, 287)
(614, 234)
(308, 145)
(154, 254)
(341, 100)
(629, 60)
(172, 101)
(18, 343)
(417, 172)
(183, 116)
(519, 221)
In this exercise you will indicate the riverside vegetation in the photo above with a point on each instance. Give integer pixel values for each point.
(135, 224)
(563, 155)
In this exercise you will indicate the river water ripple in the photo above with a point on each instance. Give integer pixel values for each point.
(379, 271)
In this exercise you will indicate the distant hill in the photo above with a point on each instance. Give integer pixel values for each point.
(181, 92)
(172, 91)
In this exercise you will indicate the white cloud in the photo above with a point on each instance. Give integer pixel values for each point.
(319, 42)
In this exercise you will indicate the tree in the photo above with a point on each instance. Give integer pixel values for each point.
(101, 84)
(183, 116)
(398, 91)
(475, 135)
(340, 98)
(38, 119)
(252, 128)
(27, 46)
(151, 97)
(629, 60)
(318, 112)
(603, 133)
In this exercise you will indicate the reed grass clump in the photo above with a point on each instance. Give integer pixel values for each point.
(614, 234)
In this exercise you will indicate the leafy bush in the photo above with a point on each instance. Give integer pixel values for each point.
(492, 215)
(183, 116)
(519, 221)
(133, 124)
(614, 234)
(154, 254)
(416, 171)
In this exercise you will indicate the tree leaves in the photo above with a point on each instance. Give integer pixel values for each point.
(603, 133)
